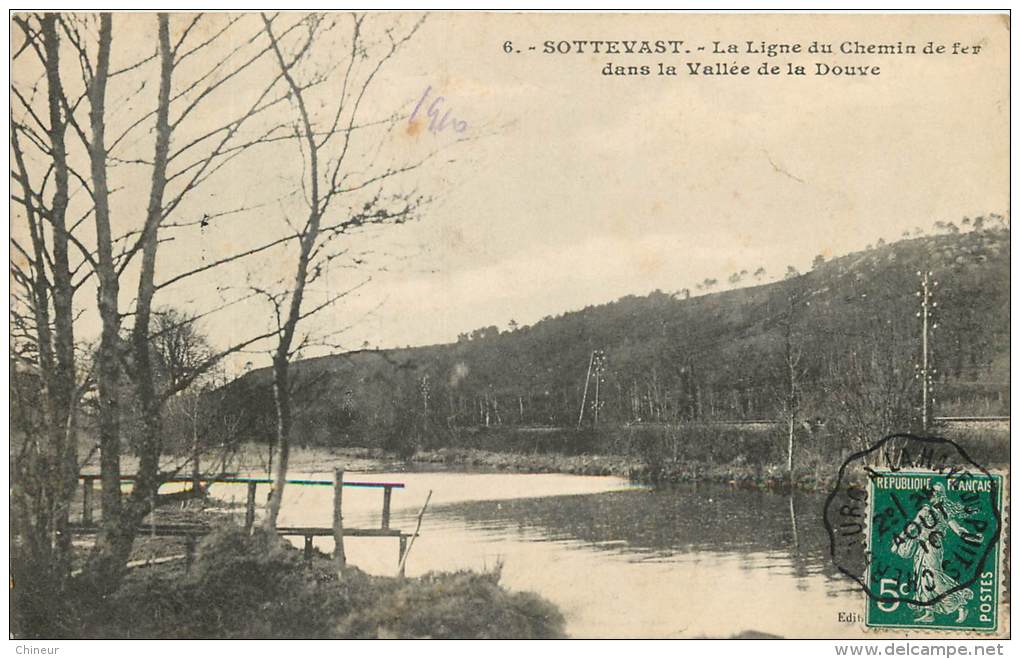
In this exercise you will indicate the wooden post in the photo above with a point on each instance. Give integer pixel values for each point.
(387, 493)
(414, 536)
(400, 558)
(86, 501)
(249, 511)
(339, 556)
(196, 485)
(308, 548)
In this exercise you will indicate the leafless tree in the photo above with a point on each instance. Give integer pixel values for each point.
(181, 348)
(97, 111)
(792, 369)
(205, 154)
(873, 390)
(44, 474)
(181, 351)
(74, 150)
(342, 193)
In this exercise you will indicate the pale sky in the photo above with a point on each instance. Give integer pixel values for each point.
(600, 187)
(578, 188)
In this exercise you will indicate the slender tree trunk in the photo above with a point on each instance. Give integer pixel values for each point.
(112, 545)
(790, 421)
(47, 477)
(38, 530)
(281, 360)
(148, 479)
(119, 520)
(281, 397)
(790, 360)
(196, 467)
(319, 191)
(63, 385)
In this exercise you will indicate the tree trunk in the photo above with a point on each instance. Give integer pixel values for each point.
(281, 397)
(281, 360)
(46, 479)
(148, 479)
(109, 554)
(791, 358)
(790, 422)
(196, 467)
(63, 385)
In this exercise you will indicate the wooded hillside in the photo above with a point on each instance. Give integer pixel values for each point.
(841, 342)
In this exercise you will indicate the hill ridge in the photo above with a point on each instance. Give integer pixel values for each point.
(673, 357)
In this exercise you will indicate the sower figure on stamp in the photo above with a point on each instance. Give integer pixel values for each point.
(933, 523)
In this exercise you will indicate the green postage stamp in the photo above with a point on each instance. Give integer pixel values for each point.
(933, 550)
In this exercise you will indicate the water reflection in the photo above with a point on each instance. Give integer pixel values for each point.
(685, 561)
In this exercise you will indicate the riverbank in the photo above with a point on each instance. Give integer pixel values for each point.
(260, 586)
(736, 474)
(747, 456)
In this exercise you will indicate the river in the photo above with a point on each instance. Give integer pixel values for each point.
(619, 560)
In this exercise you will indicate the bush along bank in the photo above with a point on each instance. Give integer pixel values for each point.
(736, 473)
(535, 463)
(259, 586)
(752, 455)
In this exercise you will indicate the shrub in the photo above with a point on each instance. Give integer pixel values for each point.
(259, 586)
(458, 605)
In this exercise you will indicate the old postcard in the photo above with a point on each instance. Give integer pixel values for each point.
(510, 325)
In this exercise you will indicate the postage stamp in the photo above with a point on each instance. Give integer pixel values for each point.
(918, 525)
(930, 535)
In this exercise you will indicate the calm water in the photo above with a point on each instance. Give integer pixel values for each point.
(619, 560)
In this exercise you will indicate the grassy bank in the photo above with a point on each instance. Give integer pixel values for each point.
(750, 456)
(260, 586)
(737, 473)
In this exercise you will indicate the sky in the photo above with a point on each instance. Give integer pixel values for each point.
(567, 187)
(589, 188)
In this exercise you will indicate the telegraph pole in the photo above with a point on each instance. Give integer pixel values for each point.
(927, 372)
(424, 388)
(584, 397)
(600, 367)
(596, 363)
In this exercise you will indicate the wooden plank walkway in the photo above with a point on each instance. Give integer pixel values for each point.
(191, 531)
(202, 529)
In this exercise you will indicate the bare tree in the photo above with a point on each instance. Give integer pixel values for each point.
(873, 388)
(792, 372)
(180, 347)
(185, 152)
(182, 351)
(339, 197)
(45, 469)
(87, 124)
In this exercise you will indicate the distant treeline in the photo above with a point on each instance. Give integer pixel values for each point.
(838, 345)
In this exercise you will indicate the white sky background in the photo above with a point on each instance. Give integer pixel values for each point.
(579, 188)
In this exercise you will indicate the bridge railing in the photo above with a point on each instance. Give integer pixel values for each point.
(191, 531)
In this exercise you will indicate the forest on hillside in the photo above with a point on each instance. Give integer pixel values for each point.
(839, 345)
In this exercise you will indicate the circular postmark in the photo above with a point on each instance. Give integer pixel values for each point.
(916, 523)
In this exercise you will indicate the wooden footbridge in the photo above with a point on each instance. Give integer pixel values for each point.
(192, 531)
